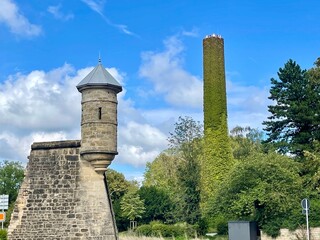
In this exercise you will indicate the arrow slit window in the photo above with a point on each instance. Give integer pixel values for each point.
(100, 112)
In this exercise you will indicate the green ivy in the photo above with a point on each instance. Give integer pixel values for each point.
(217, 157)
(216, 163)
(215, 99)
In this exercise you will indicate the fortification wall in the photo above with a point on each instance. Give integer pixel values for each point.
(62, 197)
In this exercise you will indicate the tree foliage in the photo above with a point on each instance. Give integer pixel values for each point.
(117, 184)
(310, 170)
(176, 170)
(263, 187)
(132, 207)
(158, 205)
(245, 141)
(295, 121)
(186, 141)
(187, 133)
(11, 177)
(162, 172)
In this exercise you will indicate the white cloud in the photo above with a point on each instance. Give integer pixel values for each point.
(165, 70)
(15, 147)
(39, 106)
(18, 24)
(56, 12)
(140, 143)
(39, 100)
(98, 6)
(193, 33)
(95, 5)
(247, 105)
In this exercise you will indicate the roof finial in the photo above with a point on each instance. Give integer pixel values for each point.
(99, 61)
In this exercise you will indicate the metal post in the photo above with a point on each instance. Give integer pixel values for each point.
(308, 234)
(2, 222)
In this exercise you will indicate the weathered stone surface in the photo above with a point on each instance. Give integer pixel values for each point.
(99, 126)
(62, 197)
(56, 144)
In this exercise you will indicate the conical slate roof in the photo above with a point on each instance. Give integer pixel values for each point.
(99, 77)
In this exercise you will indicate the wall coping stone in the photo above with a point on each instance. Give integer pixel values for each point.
(56, 144)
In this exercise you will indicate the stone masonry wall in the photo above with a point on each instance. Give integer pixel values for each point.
(61, 198)
(298, 234)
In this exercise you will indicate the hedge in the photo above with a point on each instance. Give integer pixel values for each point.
(159, 229)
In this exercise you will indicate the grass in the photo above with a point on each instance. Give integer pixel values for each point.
(127, 237)
(219, 237)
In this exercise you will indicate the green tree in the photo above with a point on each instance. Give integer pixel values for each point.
(266, 188)
(11, 177)
(310, 170)
(132, 206)
(176, 170)
(158, 204)
(187, 132)
(310, 175)
(295, 120)
(245, 141)
(162, 173)
(117, 184)
(185, 141)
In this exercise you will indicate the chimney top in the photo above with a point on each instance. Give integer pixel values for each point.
(213, 36)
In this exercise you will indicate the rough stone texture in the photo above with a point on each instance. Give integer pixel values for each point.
(286, 234)
(99, 120)
(62, 197)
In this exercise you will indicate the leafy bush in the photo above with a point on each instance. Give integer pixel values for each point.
(159, 229)
(186, 229)
(222, 227)
(272, 228)
(166, 230)
(152, 223)
(202, 227)
(3, 234)
(144, 230)
(265, 188)
(8, 214)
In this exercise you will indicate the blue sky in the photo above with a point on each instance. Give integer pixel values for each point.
(154, 48)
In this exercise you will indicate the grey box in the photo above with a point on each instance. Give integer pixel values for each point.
(243, 230)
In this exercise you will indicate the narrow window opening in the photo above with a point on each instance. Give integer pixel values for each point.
(100, 113)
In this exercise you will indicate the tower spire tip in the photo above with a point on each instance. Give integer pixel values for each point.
(99, 60)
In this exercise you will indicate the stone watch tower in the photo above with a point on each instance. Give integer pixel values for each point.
(64, 194)
(99, 118)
